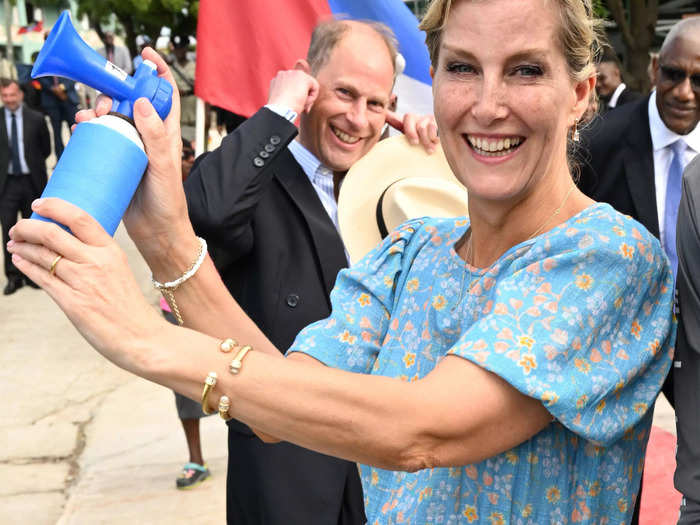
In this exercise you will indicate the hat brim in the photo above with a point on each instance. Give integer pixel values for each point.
(389, 161)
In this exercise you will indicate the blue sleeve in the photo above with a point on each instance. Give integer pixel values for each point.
(588, 331)
(361, 302)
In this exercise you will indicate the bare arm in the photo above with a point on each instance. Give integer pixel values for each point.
(457, 414)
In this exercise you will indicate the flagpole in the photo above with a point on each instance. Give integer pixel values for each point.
(199, 131)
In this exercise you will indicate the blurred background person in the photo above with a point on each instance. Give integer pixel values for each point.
(612, 91)
(116, 54)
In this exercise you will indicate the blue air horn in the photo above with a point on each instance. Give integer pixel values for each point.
(103, 162)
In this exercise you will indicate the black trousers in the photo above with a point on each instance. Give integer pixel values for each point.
(57, 114)
(16, 197)
(283, 484)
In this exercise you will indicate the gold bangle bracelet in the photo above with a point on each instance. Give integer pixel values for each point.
(209, 383)
(237, 362)
(224, 405)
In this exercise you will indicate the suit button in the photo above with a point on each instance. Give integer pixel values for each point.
(292, 300)
(258, 162)
(274, 140)
(269, 148)
(263, 154)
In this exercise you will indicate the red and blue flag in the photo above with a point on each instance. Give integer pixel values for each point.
(242, 44)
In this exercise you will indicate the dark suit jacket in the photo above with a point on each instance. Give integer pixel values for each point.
(49, 100)
(628, 95)
(617, 167)
(37, 146)
(687, 375)
(617, 163)
(278, 253)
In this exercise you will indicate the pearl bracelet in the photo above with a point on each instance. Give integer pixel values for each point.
(168, 288)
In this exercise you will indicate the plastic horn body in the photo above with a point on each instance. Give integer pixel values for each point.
(100, 170)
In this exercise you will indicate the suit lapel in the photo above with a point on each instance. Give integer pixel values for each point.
(639, 170)
(330, 252)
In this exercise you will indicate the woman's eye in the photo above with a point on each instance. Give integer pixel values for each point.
(528, 71)
(462, 68)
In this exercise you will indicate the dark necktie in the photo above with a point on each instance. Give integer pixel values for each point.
(16, 165)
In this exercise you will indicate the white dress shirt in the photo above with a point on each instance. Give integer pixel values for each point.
(661, 138)
(20, 138)
(616, 94)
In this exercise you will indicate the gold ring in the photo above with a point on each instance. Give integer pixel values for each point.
(52, 270)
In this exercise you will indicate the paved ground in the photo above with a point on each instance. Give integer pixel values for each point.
(84, 442)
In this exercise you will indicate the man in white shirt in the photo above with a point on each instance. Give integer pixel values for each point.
(24, 146)
(611, 90)
(637, 153)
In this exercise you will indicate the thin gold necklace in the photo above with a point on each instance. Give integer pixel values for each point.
(470, 248)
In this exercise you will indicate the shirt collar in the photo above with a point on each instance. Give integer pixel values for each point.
(16, 112)
(662, 137)
(616, 94)
(308, 161)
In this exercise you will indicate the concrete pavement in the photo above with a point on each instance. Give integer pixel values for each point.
(81, 441)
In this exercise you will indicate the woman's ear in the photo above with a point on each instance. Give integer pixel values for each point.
(583, 91)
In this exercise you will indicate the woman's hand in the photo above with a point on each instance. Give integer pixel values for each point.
(91, 283)
(157, 216)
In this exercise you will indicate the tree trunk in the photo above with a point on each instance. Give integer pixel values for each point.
(127, 23)
(637, 25)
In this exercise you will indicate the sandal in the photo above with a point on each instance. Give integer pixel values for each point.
(191, 475)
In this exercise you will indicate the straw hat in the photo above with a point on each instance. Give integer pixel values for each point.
(395, 182)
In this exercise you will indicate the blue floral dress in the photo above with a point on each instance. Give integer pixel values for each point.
(579, 318)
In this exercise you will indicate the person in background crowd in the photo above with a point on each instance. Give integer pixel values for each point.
(687, 354)
(24, 146)
(117, 55)
(142, 42)
(184, 70)
(612, 91)
(195, 470)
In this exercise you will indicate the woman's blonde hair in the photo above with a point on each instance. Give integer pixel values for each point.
(579, 35)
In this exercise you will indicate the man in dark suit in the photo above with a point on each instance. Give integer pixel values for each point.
(266, 204)
(60, 102)
(687, 354)
(611, 90)
(24, 146)
(634, 156)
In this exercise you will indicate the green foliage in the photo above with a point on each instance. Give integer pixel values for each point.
(136, 17)
(600, 9)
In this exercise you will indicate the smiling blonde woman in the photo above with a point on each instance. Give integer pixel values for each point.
(496, 369)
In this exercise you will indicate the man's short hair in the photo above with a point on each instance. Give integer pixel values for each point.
(7, 82)
(609, 55)
(327, 34)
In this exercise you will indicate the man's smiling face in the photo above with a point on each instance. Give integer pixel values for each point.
(355, 86)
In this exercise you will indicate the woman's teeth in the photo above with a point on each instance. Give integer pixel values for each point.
(494, 147)
(344, 136)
